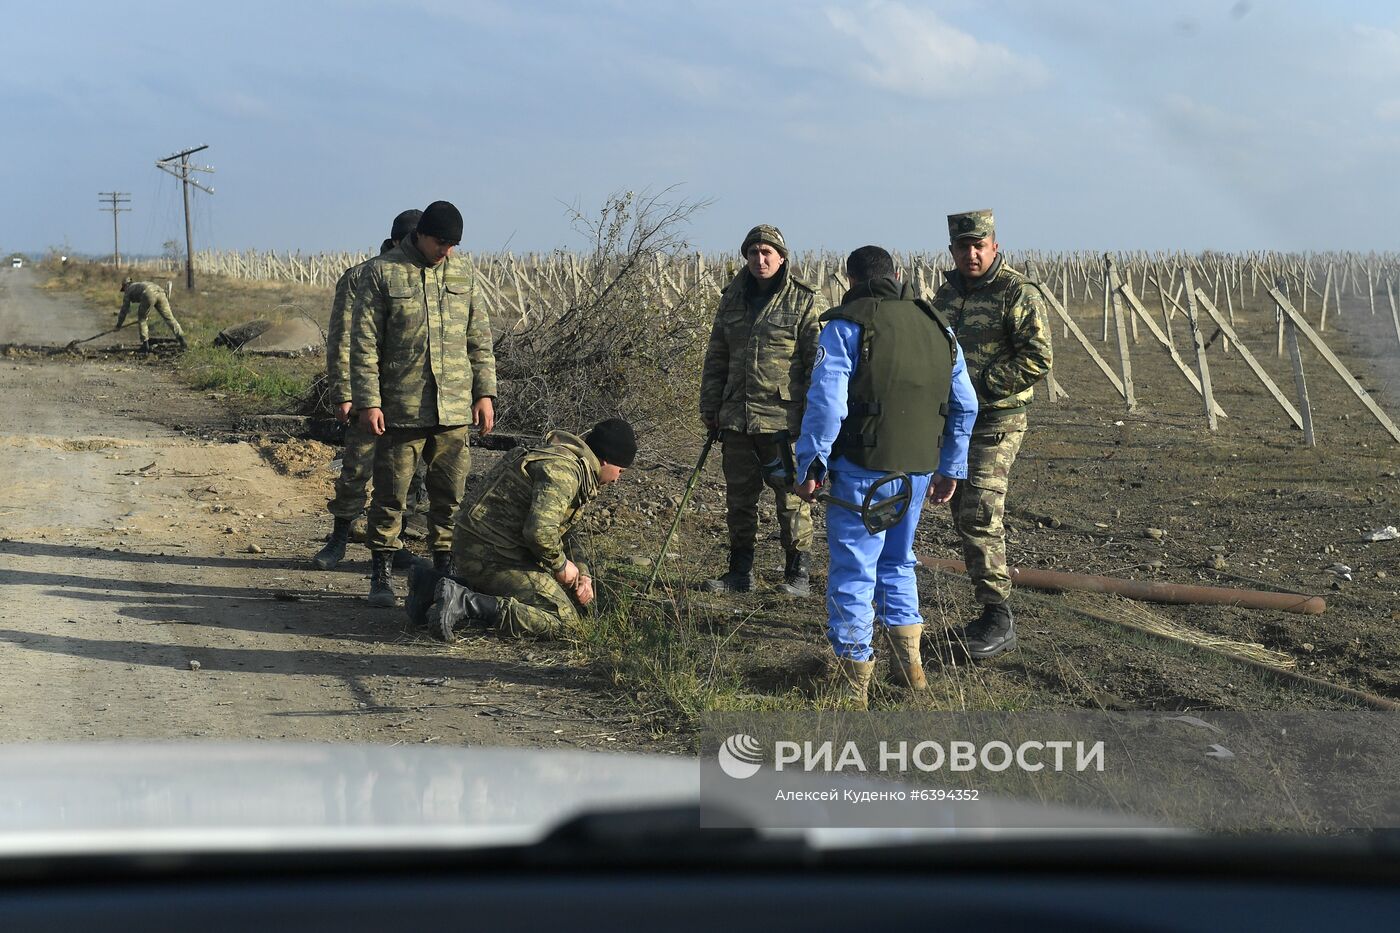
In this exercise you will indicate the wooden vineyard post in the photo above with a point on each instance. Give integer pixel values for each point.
(1064, 291)
(1162, 300)
(1321, 346)
(1106, 290)
(1084, 341)
(1249, 359)
(1202, 365)
(1136, 306)
(1125, 363)
(1119, 282)
(1326, 284)
(1394, 314)
(1301, 384)
(1370, 291)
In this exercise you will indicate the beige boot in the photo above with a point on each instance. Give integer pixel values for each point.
(853, 682)
(906, 665)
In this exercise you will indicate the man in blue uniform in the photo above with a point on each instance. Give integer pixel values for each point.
(889, 393)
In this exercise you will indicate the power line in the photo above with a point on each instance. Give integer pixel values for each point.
(114, 201)
(181, 170)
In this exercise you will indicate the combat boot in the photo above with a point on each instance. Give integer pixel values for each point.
(455, 606)
(906, 664)
(853, 682)
(180, 339)
(442, 561)
(145, 347)
(422, 583)
(991, 633)
(739, 579)
(403, 559)
(334, 551)
(381, 581)
(797, 574)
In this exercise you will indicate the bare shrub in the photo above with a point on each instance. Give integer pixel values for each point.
(632, 342)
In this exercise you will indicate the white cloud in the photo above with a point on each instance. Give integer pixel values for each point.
(1377, 53)
(915, 52)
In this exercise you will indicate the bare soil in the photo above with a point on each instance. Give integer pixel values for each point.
(157, 583)
(1245, 506)
(1091, 480)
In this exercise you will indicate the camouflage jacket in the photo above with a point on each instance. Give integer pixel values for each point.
(758, 365)
(338, 337)
(418, 348)
(1003, 327)
(524, 508)
(142, 293)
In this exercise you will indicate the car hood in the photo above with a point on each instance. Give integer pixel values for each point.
(216, 797)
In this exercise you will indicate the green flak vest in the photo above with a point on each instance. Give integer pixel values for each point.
(897, 401)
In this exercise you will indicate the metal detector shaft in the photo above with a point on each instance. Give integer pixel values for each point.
(680, 510)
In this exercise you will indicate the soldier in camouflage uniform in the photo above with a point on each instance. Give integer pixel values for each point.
(422, 371)
(1001, 322)
(148, 295)
(753, 389)
(514, 566)
(357, 459)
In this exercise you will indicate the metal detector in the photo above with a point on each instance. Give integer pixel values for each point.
(884, 514)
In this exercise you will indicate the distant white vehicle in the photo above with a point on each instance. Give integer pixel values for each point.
(16, 263)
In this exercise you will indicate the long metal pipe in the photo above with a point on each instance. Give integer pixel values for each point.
(1057, 582)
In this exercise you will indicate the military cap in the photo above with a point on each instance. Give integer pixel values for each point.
(971, 225)
(764, 233)
(613, 440)
(404, 224)
(443, 221)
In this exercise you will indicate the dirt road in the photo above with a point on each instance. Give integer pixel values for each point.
(155, 584)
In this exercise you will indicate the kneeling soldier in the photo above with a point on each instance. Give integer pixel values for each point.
(511, 566)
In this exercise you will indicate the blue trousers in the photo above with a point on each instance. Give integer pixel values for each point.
(870, 575)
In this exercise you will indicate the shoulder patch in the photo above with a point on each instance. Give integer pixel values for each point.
(821, 355)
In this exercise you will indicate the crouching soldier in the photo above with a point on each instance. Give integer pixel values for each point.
(511, 567)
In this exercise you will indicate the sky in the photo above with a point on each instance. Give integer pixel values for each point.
(1191, 125)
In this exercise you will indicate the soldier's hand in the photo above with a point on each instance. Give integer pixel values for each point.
(568, 574)
(807, 491)
(710, 421)
(342, 412)
(941, 489)
(583, 589)
(372, 420)
(484, 415)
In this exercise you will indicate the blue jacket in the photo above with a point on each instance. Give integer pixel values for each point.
(826, 409)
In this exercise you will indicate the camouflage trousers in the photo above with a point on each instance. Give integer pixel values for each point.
(979, 505)
(532, 601)
(448, 455)
(356, 469)
(162, 306)
(744, 479)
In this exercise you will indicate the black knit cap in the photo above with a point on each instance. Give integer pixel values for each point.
(443, 221)
(404, 224)
(614, 441)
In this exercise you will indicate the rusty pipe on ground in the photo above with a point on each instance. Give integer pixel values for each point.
(1057, 582)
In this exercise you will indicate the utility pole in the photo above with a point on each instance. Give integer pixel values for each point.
(114, 201)
(181, 170)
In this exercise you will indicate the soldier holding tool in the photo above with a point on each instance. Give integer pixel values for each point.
(890, 393)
